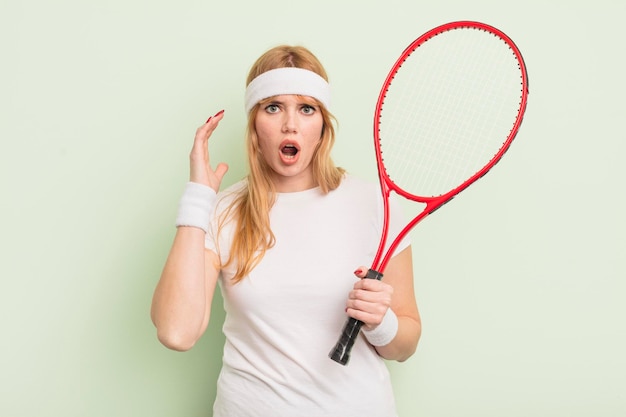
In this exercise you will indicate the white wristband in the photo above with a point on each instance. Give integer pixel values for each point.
(384, 333)
(196, 206)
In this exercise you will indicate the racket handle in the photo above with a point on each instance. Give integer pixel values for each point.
(341, 351)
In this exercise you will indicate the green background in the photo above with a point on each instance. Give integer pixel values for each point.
(520, 280)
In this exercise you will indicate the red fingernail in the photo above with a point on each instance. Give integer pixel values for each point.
(208, 120)
(218, 113)
(358, 271)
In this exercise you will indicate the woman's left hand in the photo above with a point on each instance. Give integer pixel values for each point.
(369, 300)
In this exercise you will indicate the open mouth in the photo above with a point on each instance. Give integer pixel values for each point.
(289, 151)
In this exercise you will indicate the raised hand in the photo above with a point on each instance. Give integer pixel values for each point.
(199, 161)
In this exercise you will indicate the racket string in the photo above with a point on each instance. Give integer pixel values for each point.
(448, 111)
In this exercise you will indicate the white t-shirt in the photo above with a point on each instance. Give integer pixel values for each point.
(285, 317)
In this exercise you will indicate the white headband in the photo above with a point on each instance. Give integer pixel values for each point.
(288, 80)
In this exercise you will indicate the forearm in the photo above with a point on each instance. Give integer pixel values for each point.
(404, 344)
(181, 302)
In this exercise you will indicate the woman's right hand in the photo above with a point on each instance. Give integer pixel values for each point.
(200, 167)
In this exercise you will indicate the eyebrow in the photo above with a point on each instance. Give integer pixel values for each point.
(306, 100)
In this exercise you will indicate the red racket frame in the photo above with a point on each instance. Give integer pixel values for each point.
(341, 352)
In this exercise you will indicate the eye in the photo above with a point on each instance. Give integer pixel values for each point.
(308, 109)
(272, 108)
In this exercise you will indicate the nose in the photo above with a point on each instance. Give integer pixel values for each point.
(290, 122)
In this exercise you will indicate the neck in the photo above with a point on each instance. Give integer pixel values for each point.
(293, 184)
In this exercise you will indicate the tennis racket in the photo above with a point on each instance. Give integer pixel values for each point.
(448, 111)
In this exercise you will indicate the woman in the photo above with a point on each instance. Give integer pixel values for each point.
(281, 244)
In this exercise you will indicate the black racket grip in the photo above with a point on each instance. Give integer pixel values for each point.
(341, 351)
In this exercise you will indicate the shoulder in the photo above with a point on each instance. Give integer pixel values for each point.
(235, 188)
(360, 186)
(355, 192)
(227, 196)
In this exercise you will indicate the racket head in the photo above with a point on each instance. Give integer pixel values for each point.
(449, 110)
